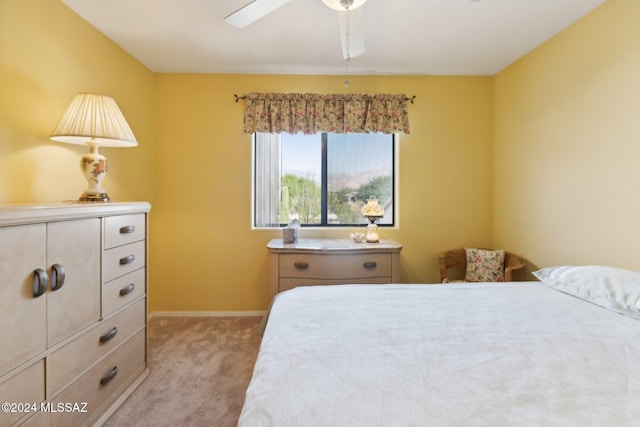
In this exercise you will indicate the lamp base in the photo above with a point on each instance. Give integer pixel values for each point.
(94, 168)
(372, 233)
(93, 197)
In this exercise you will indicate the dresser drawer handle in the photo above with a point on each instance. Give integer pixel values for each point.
(127, 290)
(370, 264)
(127, 229)
(111, 375)
(301, 265)
(40, 282)
(109, 335)
(57, 276)
(127, 260)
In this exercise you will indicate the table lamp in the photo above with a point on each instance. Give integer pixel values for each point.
(95, 121)
(373, 212)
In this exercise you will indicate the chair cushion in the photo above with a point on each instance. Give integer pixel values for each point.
(484, 265)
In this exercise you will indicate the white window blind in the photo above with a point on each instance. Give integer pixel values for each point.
(268, 171)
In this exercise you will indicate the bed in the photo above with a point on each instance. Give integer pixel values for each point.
(561, 352)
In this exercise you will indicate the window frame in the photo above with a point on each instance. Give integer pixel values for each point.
(324, 191)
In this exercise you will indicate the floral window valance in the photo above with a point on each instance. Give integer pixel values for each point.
(310, 113)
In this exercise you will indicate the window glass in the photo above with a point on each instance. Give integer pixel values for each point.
(322, 179)
(301, 178)
(359, 166)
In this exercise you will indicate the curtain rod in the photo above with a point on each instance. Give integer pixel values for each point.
(238, 98)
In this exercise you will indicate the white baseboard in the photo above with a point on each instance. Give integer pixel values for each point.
(206, 314)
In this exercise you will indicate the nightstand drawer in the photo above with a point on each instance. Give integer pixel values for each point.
(123, 290)
(123, 229)
(97, 386)
(335, 266)
(122, 260)
(66, 363)
(291, 282)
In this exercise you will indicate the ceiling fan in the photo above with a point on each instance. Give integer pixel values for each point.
(349, 15)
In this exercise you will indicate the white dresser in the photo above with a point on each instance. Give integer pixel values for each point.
(73, 307)
(331, 262)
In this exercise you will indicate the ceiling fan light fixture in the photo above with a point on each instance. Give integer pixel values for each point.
(342, 5)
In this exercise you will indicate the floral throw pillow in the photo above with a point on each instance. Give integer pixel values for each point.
(484, 265)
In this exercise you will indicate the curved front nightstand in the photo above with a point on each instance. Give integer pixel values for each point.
(331, 262)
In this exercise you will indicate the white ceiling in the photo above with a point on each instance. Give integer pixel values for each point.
(402, 37)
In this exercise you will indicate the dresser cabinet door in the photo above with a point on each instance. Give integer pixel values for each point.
(30, 324)
(75, 245)
(23, 319)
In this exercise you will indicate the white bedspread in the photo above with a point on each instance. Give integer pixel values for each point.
(444, 355)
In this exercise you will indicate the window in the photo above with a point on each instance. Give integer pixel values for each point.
(322, 179)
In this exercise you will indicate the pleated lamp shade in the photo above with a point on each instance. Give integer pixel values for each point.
(97, 118)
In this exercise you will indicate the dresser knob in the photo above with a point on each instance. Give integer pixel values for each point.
(111, 375)
(57, 276)
(109, 335)
(40, 282)
(127, 260)
(127, 229)
(370, 264)
(127, 290)
(301, 265)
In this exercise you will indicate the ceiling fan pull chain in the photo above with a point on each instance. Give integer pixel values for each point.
(348, 58)
(346, 73)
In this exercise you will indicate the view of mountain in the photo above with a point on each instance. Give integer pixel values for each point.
(338, 181)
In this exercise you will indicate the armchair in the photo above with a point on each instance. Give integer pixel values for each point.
(456, 259)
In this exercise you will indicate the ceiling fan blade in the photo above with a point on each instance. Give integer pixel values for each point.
(356, 33)
(253, 11)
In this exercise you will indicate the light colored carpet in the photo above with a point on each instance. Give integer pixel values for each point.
(200, 369)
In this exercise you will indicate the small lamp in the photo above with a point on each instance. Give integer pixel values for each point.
(96, 121)
(373, 212)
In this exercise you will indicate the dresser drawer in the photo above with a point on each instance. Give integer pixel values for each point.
(335, 266)
(68, 362)
(116, 372)
(122, 260)
(24, 387)
(124, 229)
(40, 419)
(123, 290)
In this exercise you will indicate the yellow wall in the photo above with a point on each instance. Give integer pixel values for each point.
(567, 144)
(205, 255)
(47, 55)
(194, 163)
(540, 159)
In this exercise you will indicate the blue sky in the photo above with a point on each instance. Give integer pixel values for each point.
(302, 153)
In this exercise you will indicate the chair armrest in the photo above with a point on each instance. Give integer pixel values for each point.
(443, 269)
(512, 263)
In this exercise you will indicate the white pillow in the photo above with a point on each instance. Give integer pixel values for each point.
(609, 287)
